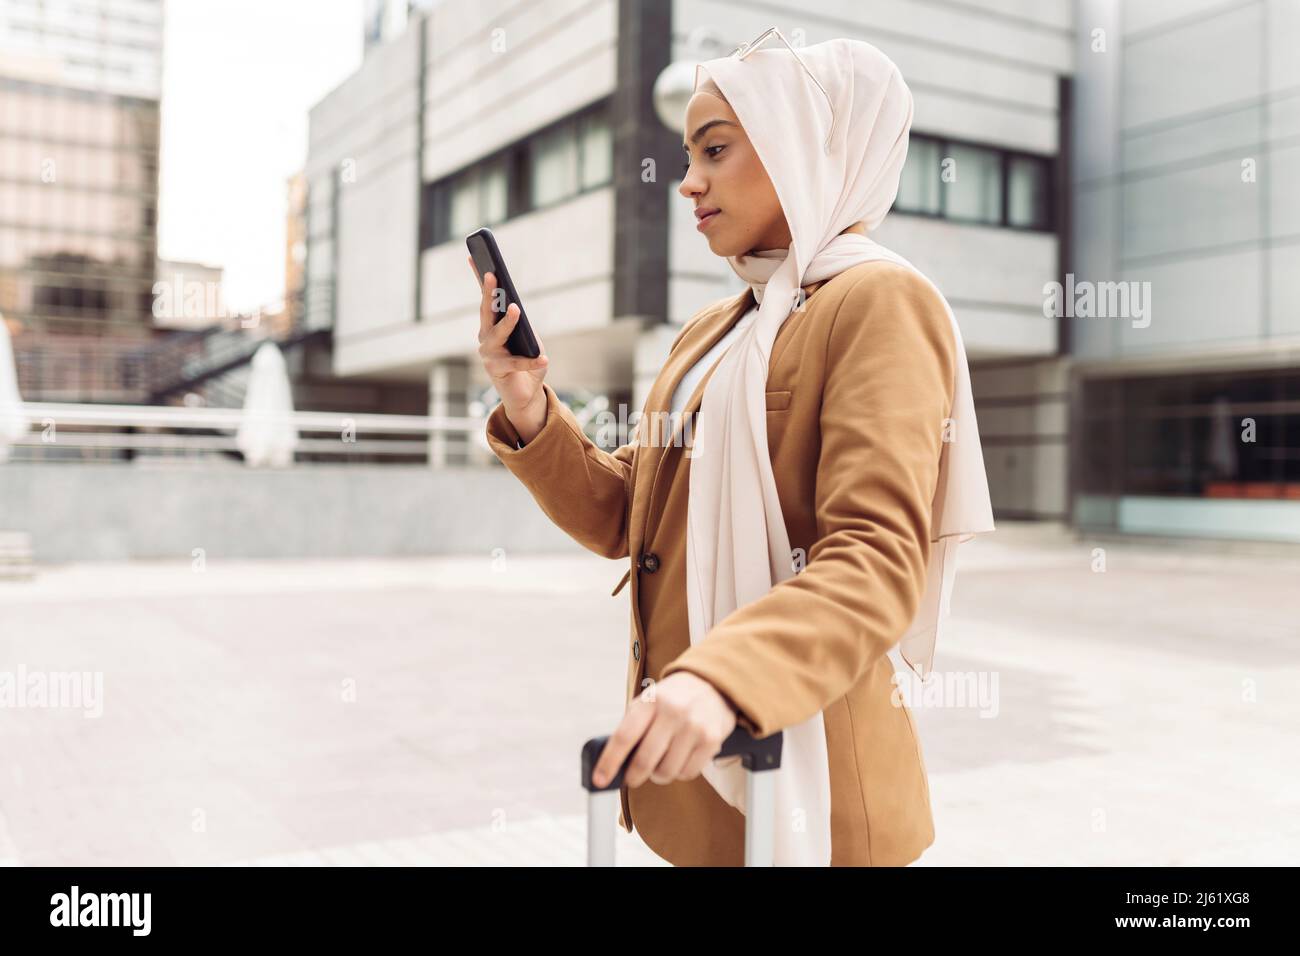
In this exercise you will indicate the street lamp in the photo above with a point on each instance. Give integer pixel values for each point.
(676, 82)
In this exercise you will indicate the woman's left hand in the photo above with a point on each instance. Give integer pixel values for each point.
(680, 724)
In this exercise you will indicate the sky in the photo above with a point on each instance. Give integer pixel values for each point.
(238, 79)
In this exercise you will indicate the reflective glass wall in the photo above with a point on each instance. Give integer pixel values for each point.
(78, 209)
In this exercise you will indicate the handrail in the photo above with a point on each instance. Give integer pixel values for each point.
(175, 416)
(71, 432)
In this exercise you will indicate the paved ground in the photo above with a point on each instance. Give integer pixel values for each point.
(391, 711)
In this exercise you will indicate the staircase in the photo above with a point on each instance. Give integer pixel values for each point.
(135, 370)
(183, 366)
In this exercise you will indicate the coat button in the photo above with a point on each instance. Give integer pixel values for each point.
(650, 562)
(636, 650)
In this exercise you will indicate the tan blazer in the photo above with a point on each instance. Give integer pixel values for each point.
(859, 384)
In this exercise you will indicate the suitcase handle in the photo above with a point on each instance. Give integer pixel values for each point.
(756, 754)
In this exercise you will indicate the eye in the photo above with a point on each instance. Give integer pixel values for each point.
(687, 165)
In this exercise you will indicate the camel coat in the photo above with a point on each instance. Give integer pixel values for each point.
(859, 384)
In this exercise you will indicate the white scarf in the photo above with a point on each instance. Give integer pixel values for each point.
(737, 544)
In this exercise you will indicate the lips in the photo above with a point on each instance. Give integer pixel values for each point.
(705, 216)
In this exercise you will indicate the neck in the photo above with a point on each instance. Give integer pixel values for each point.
(858, 227)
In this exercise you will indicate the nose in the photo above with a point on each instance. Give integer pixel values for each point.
(690, 183)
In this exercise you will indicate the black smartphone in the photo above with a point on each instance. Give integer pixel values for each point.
(485, 252)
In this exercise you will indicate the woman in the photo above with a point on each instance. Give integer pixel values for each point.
(807, 527)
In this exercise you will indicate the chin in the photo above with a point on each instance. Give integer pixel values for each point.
(723, 248)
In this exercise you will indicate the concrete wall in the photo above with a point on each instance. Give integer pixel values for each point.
(362, 150)
(1183, 97)
(1023, 409)
(499, 70)
(92, 512)
(992, 278)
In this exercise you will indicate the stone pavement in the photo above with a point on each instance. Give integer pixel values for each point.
(389, 711)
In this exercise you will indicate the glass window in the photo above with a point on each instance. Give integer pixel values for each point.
(1027, 192)
(434, 198)
(535, 172)
(27, 210)
(494, 189)
(553, 166)
(918, 188)
(9, 255)
(129, 173)
(464, 216)
(1183, 435)
(597, 151)
(972, 183)
(26, 113)
(101, 126)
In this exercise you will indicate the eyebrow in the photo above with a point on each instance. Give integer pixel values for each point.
(704, 128)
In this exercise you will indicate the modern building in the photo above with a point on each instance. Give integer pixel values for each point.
(1186, 370)
(79, 122)
(188, 295)
(541, 124)
(385, 20)
(295, 246)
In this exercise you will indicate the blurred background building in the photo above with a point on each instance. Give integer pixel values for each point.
(1103, 189)
(80, 85)
(1099, 188)
(1188, 142)
(540, 124)
(194, 298)
(94, 314)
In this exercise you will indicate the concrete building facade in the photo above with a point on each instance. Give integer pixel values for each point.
(1186, 390)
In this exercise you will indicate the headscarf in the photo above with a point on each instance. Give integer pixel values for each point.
(834, 158)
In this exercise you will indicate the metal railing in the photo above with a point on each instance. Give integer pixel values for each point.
(125, 432)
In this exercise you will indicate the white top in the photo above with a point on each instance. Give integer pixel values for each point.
(686, 387)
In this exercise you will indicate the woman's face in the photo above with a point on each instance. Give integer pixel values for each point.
(725, 174)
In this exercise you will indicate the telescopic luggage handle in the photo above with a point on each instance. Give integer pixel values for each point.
(757, 755)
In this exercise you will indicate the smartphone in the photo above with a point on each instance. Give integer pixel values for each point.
(485, 252)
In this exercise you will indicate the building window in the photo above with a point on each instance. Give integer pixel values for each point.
(493, 191)
(596, 157)
(968, 182)
(1027, 192)
(972, 185)
(1210, 435)
(550, 166)
(553, 166)
(465, 204)
(477, 197)
(918, 189)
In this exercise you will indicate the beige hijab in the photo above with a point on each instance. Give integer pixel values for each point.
(834, 153)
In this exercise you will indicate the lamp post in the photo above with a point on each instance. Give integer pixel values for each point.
(676, 82)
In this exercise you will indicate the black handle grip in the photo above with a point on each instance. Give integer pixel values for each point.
(756, 754)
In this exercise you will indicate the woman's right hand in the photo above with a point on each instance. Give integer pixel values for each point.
(518, 380)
